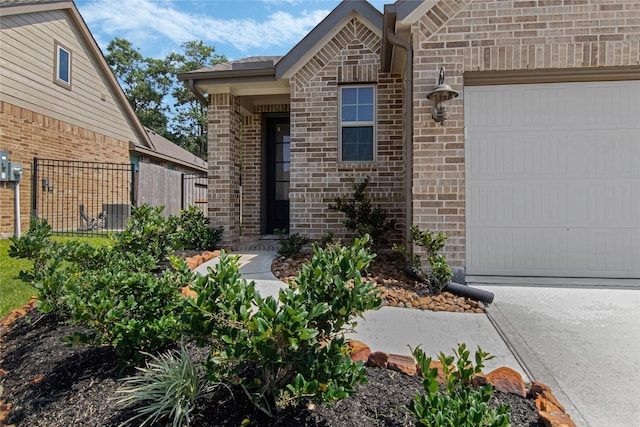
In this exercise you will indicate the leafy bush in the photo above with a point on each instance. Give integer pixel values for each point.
(280, 351)
(114, 290)
(362, 218)
(439, 274)
(291, 245)
(32, 245)
(462, 404)
(148, 232)
(133, 311)
(194, 232)
(169, 388)
(329, 240)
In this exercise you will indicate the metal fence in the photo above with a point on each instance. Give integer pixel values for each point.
(194, 191)
(82, 197)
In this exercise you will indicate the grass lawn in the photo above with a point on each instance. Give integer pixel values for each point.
(14, 292)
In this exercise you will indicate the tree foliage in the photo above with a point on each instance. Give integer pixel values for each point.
(160, 101)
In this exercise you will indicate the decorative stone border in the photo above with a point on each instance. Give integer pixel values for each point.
(194, 261)
(503, 379)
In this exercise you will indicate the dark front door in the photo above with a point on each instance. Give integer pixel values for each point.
(277, 182)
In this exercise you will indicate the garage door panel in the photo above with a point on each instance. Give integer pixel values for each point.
(614, 204)
(604, 257)
(512, 251)
(553, 179)
(516, 252)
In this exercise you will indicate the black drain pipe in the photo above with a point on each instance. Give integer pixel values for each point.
(469, 292)
(454, 288)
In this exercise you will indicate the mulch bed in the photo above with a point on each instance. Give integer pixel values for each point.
(396, 288)
(50, 383)
(47, 382)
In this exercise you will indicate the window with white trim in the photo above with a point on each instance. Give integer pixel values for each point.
(62, 71)
(357, 120)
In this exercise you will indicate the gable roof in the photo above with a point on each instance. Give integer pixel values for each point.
(17, 7)
(312, 42)
(268, 75)
(167, 150)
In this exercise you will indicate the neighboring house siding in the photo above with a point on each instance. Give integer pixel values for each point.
(351, 57)
(27, 52)
(26, 135)
(491, 35)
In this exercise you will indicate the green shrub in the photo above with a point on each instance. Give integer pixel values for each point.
(148, 232)
(290, 246)
(32, 245)
(293, 346)
(462, 405)
(133, 311)
(194, 231)
(362, 218)
(169, 388)
(329, 240)
(439, 274)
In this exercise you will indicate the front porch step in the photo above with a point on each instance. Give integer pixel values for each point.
(263, 243)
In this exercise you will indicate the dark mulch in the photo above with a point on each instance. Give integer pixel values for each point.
(52, 384)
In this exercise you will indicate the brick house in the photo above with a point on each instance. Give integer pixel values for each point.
(536, 171)
(60, 100)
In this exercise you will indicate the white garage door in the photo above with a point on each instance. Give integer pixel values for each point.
(553, 179)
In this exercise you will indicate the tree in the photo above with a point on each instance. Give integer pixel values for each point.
(149, 82)
(190, 124)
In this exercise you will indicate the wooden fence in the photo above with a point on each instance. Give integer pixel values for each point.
(172, 189)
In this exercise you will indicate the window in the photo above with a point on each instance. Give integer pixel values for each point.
(357, 123)
(62, 72)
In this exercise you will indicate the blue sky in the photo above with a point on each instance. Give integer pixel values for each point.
(236, 29)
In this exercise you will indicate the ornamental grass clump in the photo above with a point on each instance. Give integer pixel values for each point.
(168, 387)
(281, 351)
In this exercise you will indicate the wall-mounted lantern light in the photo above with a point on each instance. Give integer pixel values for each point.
(438, 96)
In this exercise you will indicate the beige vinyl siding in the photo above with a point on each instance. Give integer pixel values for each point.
(27, 66)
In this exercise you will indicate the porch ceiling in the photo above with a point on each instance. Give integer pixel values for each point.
(263, 86)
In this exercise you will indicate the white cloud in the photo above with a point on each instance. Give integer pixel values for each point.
(146, 21)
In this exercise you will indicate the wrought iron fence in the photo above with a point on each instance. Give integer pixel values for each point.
(78, 197)
(194, 191)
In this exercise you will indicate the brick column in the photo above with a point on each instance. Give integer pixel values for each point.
(224, 165)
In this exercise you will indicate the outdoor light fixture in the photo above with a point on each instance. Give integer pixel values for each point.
(438, 96)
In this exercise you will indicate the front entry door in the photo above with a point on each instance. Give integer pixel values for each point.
(277, 182)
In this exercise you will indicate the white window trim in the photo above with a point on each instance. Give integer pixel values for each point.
(357, 124)
(56, 67)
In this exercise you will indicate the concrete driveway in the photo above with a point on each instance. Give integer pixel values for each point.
(583, 343)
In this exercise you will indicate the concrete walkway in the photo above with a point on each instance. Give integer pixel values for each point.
(393, 330)
(584, 343)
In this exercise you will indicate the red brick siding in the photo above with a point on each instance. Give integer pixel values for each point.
(26, 135)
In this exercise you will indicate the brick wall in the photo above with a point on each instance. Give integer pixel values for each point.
(317, 178)
(223, 157)
(25, 135)
(488, 35)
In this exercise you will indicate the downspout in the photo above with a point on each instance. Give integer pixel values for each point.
(408, 134)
